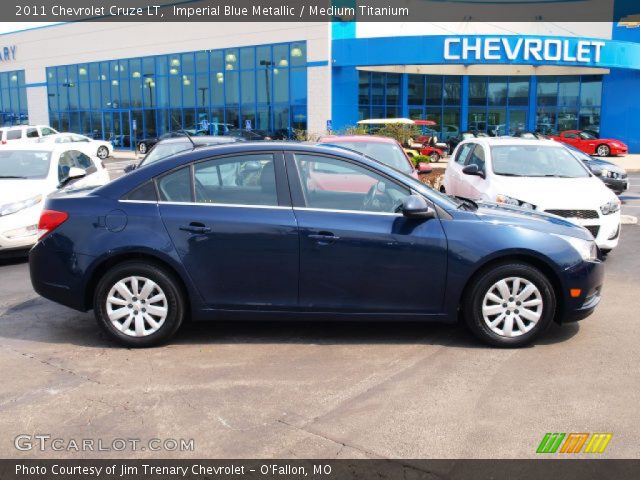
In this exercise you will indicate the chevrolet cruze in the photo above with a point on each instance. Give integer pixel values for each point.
(292, 231)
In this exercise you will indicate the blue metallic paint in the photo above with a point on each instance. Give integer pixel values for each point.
(388, 267)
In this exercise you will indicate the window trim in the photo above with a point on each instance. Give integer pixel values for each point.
(282, 188)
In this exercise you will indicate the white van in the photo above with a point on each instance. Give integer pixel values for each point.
(25, 133)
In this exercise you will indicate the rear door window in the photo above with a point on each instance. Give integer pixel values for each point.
(32, 133)
(238, 180)
(176, 186)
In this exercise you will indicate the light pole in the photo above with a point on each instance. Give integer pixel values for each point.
(149, 83)
(203, 90)
(268, 64)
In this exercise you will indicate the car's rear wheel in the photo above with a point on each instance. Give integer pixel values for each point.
(509, 305)
(442, 189)
(603, 150)
(434, 157)
(103, 152)
(142, 148)
(138, 304)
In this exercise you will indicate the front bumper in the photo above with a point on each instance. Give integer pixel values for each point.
(618, 185)
(619, 150)
(588, 277)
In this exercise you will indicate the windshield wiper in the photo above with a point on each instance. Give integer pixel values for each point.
(508, 174)
(467, 202)
(553, 175)
(12, 176)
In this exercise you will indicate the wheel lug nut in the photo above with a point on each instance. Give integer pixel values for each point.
(135, 312)
(516, 312)
(144, 310)
(130, 306)
(518, 303)
(504, 305)
(511, 299)
(135, 299)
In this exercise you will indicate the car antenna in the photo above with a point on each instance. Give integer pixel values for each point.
(186, 134)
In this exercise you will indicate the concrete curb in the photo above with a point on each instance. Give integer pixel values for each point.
(628, 220)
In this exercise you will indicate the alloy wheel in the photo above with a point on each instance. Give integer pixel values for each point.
(137, 306)
(603, 151)
(103, 153)
(512, 307)
(142, 148)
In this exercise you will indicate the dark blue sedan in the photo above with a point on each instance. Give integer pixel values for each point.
(292, 231)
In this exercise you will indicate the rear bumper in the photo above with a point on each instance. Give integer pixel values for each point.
(588, 277)
(59, 276)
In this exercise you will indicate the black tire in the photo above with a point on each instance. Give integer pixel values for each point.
(170, 287)
(442, 189)
(103, 152)
(603, 150)
(482, 284)
(434, 157)
(142, 147)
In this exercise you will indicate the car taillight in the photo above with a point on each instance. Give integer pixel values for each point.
(49, 221)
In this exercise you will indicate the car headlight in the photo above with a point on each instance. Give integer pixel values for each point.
(605, 172)
(507, 200)
(610, 207)
(587, 249)
(9, 208)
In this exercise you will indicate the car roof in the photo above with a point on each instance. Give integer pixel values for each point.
(199, 139)
(356, 139)
(490, 141)
(38, 146)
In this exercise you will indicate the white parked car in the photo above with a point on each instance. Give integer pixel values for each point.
(25, 133)
(28, 173)
(537, 175)
(100, 148)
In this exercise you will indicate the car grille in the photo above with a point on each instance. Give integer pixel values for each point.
(594, 229)
(582, 214)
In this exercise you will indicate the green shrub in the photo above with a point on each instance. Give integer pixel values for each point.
(421, 159)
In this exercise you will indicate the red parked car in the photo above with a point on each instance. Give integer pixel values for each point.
(384, 149)
(588, 143)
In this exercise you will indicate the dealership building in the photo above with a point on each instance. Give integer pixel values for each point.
(127, 81)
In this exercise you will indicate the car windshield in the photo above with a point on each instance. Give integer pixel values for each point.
(388, 153)
(164, 150)
(29, 164)
(587, 136)
(536, 161)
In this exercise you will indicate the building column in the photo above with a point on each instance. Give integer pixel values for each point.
(464, 104)
(533, 103)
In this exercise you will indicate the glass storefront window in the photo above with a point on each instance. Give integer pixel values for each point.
(452, 88)
(416, 90)
(547, 91)
(568, 91)
(497, 91)
(13, 98)
(393, 89)
(434, 90)
(167, 92)
(518, 91)
(478, 91)
(591, 91)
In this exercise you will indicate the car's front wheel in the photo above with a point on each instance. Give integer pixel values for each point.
(434, 157)
(509, 305)
(103, 152)
(138, 304)
(142, 148)
(603, 151)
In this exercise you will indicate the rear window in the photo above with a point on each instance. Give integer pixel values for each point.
(24, 164)
(15, 134)
(165, 150)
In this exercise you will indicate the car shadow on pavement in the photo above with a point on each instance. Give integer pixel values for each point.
(42, 321)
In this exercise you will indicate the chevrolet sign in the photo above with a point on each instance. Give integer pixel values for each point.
(518, 49)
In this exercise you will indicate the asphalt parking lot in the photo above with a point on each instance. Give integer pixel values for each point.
(323, 390)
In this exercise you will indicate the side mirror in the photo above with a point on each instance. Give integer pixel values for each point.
(74, 173)
(415, 206)
(473, 169)
(424, 168)
(597, 171)
(130, 168)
